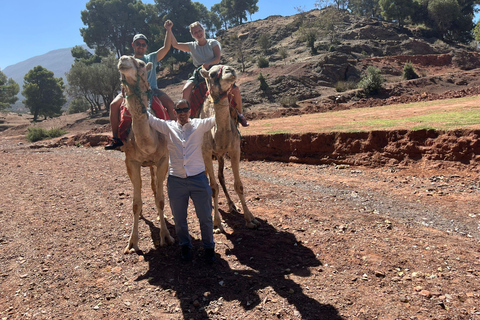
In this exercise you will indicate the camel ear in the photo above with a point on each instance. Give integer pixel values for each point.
(204, 73)
(149, 66)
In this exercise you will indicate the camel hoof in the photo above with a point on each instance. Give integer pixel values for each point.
(218, 229)
(170, 240)
(253, 224)
(129, 250)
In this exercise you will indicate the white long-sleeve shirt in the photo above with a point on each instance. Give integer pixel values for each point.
(184, 144)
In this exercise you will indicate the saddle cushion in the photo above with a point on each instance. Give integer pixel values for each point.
(126, 118)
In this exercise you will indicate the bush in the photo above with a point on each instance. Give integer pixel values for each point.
(342, 86)
(262, 62)
(78, 105)
(288, 101)
(409, 72)
(263, 42)
(263, 83)
(372, 82)
(283, 53)
(37, 134)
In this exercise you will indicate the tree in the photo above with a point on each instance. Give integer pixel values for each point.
(43, 93)
(234, 12)
(8, 91)
(366, 8)
(111, 24)
(398, 10)
(182, 13)
(447, 16)
(96, 83)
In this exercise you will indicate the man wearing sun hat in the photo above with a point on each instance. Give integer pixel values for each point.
(140, 45)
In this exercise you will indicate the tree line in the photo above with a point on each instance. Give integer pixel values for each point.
(110, 25)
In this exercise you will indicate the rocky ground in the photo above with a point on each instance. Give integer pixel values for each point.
(395, 240)
(335, 242)
(363, 235)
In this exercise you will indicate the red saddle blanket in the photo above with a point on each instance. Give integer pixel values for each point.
(126, 117)
(199, 94)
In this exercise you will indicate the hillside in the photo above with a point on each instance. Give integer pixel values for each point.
(303, 83)
(58, 61)
(355, 224)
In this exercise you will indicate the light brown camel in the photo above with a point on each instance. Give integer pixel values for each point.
(144, 147)
(224, 139)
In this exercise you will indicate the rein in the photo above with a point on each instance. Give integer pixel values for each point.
(217, 82)
(137, 92)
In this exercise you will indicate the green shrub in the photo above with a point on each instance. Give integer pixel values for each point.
(372, 82)
(263, 42)
(409, 72)
(283, 53)
(55, 132)
(263, 83)
(262, 62)
(36, 134)
(342, 86)
(78, 105)
(332, 48)
(310, 37)
(288, 101)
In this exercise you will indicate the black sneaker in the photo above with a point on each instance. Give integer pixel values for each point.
(186, 254)
(243, 121)
(114, 145)
(209, 255)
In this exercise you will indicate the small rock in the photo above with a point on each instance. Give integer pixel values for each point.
(425, 293)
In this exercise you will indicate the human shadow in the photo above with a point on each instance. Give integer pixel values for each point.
(262, 259)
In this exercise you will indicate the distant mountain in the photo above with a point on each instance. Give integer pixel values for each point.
(58, 61)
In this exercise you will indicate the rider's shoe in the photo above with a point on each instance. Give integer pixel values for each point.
(243, 121)
(114, 145)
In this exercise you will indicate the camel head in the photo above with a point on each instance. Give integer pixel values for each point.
(131, 69)
(134, 74)
(219, 80)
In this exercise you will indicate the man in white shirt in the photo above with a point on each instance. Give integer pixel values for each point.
(186, 175)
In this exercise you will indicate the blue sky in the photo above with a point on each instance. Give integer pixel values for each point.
(31, 28)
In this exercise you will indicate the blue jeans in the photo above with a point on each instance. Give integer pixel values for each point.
(179, 192)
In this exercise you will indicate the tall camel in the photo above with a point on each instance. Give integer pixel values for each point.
(224, 139)
(144, 147)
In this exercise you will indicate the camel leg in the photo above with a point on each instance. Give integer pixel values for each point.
(133, 170)
(250, 220)
(160, 174)
(217, 221)
(221, 178)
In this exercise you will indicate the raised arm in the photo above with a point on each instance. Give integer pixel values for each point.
(176, 45)
(162, 52)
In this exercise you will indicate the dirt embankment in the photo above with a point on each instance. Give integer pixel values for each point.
(376, 148)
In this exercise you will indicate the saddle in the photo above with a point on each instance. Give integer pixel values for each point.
(126, 118)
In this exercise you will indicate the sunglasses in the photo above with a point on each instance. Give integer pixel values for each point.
(182, 110)
(143, 45)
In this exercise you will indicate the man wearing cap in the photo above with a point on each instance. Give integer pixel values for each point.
(186, 176)
(139, 45)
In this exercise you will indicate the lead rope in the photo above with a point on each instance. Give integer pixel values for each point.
(137, 92)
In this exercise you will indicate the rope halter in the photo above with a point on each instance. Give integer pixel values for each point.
(137, 92)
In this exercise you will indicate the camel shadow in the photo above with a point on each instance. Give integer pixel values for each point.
(266, 259)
